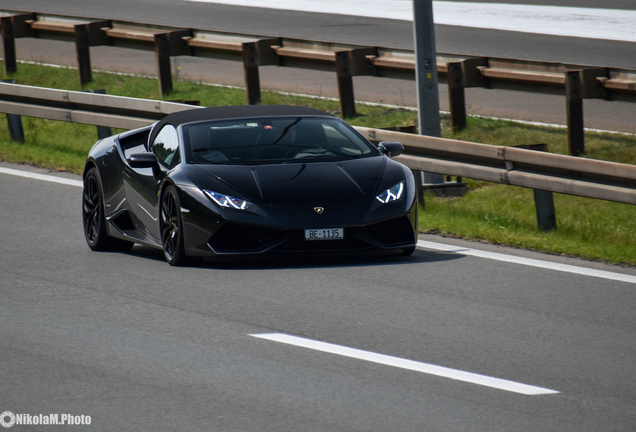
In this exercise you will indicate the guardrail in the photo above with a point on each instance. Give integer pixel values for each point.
(568, 175)
(498, 164)
(86, 108)
(576, 82)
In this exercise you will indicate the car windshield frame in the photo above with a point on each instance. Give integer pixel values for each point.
(273, 140)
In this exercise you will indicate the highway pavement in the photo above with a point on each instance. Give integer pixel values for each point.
(304, 344)
(311, 344)
(617, 116)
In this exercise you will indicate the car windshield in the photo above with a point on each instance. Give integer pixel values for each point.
(274, 140)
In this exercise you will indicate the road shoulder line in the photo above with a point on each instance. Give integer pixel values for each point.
(527, 261)
(44, 177)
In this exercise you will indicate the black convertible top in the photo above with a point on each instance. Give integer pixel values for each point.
(235, 111)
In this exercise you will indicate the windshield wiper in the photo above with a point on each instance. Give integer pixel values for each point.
(210, 162)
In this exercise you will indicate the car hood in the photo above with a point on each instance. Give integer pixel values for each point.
(345, 189)
(283, 183)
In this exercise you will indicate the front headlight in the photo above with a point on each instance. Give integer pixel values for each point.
(392, 194)
(227, 201)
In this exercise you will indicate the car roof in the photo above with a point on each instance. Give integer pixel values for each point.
(235, 111)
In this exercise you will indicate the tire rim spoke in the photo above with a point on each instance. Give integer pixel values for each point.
(170, 226)
(91, 208)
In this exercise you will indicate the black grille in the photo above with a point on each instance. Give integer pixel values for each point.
(244, 238)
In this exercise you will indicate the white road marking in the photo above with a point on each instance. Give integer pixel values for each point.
(401, 363)
(527, 261)
(44, 177)
(611, 24)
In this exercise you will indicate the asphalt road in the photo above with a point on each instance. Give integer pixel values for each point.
(139, 345)
(348, 29)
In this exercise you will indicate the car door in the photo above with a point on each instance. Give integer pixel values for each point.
(143, 184)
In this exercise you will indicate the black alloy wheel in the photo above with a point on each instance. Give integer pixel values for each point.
(172, 228)
(94, 219)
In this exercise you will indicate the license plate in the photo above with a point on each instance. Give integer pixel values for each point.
(324, 234)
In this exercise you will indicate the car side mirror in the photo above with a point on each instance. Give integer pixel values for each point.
(143, 160)
(391, 148)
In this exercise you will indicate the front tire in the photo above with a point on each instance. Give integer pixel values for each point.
(93, 217)
(172, 228)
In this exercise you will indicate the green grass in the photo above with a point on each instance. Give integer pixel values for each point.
(588, 228)
(603, 146)
(56, 145)
(592, 229)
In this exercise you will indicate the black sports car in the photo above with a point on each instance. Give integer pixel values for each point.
(247, 180)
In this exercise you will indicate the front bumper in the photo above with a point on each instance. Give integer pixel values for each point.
(235, 238)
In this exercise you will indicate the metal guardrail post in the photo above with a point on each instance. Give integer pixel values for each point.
(162, 51)
(349, 64)
(166, 45)
(462, 75)
(252, 78)
(579, 85)
(457, 99)
(574, 109)
(8, 40)
(546, 214)
(16, 131)
(543, 200)
(345, 85)
(86, 36)
(102, 131)
(82, 48)
(255, 54)
(13, 27)
(472, 72)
